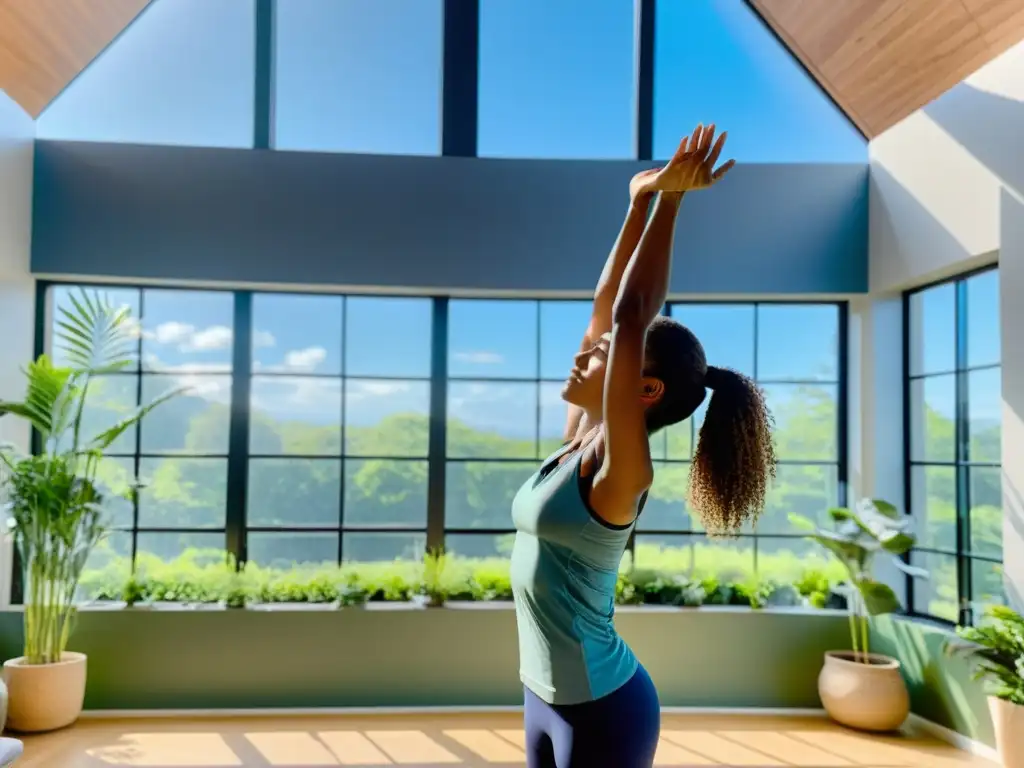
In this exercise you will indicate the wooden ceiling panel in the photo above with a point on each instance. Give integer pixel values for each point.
(45, 44)
(881, 60)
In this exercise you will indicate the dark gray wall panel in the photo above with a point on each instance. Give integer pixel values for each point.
(157, 212)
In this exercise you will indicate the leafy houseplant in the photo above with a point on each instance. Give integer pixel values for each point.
(996, 647)
(55, 505)
(862, 689)
(434, 563)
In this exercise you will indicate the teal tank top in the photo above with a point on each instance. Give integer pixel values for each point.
(565, 565)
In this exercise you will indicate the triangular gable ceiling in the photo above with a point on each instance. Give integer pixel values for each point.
(881, 60)
(45, 44)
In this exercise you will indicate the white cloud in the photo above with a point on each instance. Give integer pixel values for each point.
(214, 337)
(263, 339)
(171, 333)
(304, 359)
(480, 358)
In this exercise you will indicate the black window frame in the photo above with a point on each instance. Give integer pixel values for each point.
(236, 528)
(961, 464)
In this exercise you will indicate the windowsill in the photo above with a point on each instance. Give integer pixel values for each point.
(496, 605)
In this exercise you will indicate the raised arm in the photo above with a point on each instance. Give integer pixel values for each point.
(626, 470)
(611, 276)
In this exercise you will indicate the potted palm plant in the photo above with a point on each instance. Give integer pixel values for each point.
(858, 688)
(55, 506)
(996, 647)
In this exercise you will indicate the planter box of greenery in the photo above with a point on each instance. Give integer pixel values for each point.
(858, 688)
(997, 648)
(55, 507)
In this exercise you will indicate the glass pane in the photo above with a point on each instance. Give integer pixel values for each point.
(183, 493)
(118, 298)
(679, 440)
(383, 547)
(696, 557)
(798, 342)
(786, 561)
(932, 419)
(986, 514)
(756, 82)
(726, 331)
(478, 494)
(666, 509)
(285, 551)
(196, 421)
(985, 414)
(937, 595)
(388, 336)
(576, 69)
(181, 74)
(806, 490)
(295, 415)
(984, 337)
(481, 546)
(988, 585)
(187, 331)
(493, 339)
(492, 421)
(386, 417)
(933, 505)
(806, 421)
(933, 330)
(386, 493)
(153, 548)
(554, 412)
(293, 333)
(358, 77)
(108, 567)
(114, 479)
(294, 492)
(562, 325)
(110, 399)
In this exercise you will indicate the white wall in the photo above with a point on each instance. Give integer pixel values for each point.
(937, 176)
(946, 193)
(17, 289)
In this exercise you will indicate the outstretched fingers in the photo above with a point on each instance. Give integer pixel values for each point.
(721, 171)
(717, 149)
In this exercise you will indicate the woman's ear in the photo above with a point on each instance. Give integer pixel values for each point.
(651, 390)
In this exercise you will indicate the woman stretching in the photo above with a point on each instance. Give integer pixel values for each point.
(589, 703)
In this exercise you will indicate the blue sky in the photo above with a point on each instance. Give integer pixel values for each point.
(556, 80)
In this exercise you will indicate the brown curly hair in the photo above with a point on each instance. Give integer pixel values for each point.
(734, 461)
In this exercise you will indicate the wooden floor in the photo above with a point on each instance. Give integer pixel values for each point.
(462, 740)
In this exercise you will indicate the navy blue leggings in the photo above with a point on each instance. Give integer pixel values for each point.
(619, 730)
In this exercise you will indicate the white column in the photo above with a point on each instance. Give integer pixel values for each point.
(17, 288)
(1011, 288)
(876, 409)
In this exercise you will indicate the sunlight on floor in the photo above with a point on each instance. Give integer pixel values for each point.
(813, 748)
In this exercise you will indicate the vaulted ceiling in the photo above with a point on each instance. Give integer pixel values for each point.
(44, 44)
(881, 60)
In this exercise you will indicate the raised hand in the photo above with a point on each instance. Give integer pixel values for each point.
(693, 165)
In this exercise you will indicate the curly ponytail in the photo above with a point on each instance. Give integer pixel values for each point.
(734, 461)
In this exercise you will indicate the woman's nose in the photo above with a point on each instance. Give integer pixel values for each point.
(580, 359)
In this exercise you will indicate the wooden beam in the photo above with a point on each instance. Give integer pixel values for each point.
(45, 44)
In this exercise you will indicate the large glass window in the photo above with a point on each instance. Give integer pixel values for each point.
(179, 454)
(326, 455)
(338, 429)
(748, 83)
(793, 353)
(353, 76)
(556, 79)
(954, 418)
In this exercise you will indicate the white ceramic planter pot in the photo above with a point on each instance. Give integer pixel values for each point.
(1008, 723)
(868, 696)
(45, 697)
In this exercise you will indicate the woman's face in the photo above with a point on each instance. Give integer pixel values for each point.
(585, 385)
